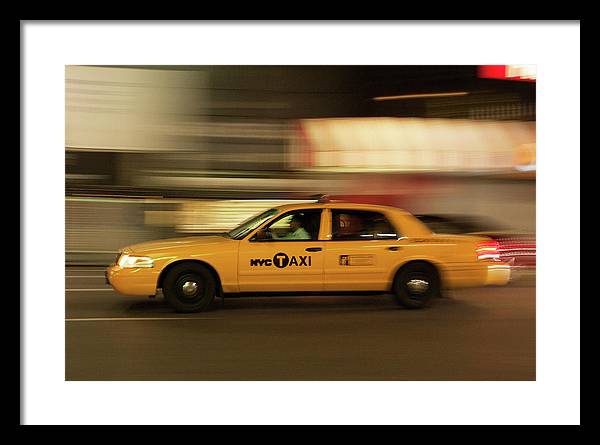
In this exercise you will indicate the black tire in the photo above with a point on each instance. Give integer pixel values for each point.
(415, 285)
(189, 287)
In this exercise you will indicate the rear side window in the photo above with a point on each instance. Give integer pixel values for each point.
(358, 225)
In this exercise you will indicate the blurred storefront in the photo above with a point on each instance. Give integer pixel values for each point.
(158, 151)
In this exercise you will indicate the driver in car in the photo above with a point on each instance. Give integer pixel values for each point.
(296, 230)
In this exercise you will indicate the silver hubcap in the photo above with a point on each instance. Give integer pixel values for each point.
(189, 287)
(418, 286)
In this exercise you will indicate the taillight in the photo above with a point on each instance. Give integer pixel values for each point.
(488, 251)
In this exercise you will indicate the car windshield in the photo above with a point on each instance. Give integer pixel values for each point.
(250, 224)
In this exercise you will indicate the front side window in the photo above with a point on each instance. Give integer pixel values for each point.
(293, 226)
(355, 225)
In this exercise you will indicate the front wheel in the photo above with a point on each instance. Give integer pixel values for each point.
(415, 285)
(189, 288)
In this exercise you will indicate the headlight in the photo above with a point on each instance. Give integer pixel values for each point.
(133, 261)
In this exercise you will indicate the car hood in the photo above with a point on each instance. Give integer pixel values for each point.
(160, 246)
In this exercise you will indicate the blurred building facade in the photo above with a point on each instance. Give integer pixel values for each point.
(420, 137)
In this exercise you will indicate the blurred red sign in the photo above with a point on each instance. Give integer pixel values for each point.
(525, 73)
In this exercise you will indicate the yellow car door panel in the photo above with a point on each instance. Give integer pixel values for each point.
(280, 266)
(358, 265)
(284, 256)
(363, 247)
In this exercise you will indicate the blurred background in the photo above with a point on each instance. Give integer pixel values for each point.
(164, 151)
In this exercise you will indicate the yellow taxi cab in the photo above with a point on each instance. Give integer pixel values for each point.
(315, 247)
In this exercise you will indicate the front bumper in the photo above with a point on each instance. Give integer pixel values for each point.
(130, 281)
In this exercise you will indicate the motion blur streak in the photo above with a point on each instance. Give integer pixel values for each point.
(414, 96)
(157, 152)
(162, 151)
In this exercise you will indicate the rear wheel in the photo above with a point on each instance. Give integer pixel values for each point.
(189, 287)
(415, 285)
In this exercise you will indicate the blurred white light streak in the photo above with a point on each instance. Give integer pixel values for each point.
(420, 96)
(140, 319)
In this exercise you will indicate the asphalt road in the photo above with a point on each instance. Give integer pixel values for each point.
(472, 334)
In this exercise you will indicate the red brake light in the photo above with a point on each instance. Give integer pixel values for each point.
(488, 251)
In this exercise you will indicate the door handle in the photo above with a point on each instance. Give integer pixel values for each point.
(394, 248)
(313, 249)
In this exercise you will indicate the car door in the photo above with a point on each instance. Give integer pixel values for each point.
(283, 264)
(361, 251)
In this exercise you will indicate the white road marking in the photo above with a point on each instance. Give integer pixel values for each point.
(84, 272)
(90, 290)
(140, 319)
(84, 276)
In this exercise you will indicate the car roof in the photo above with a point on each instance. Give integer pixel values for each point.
(340, 205)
